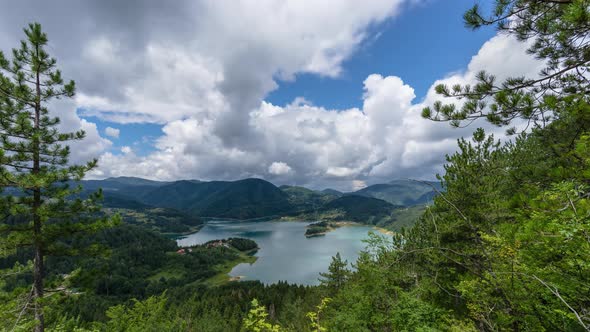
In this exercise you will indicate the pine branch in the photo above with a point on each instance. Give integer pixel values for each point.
(11, 96)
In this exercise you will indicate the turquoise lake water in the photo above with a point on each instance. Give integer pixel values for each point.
(285, 253)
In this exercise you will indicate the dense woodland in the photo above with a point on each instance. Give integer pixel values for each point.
(505, 246)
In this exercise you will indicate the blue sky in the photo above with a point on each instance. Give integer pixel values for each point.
(139, 136)
(425, 43)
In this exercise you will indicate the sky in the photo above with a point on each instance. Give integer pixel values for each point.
(300, 92)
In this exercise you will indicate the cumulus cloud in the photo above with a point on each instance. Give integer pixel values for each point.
(279, 168)
(112, 132)
(146, 61)
(126, 149)
(319, 147)
(92, 146)
(203, 68)
(201, 65)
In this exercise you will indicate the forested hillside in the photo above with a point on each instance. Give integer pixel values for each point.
(186, 201)
(243, 199)
(357, 208)
(402, 192)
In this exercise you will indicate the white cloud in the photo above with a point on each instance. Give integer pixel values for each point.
(112, 132)
(101, 50)
(92, 146)
(319, 147)
(203, 68)
(126, 150)
(279, 168)
(358, 185)
(218, 70)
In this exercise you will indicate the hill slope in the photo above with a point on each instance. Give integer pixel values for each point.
(163, 220)
(361, 209)
(243, 199)
(256, 198)
(401, 192)
(180, 194)
(303, 199)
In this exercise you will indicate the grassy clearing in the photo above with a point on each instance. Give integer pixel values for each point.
(222, 276)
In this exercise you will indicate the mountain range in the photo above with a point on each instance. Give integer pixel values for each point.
(402, 192)
(187, 201)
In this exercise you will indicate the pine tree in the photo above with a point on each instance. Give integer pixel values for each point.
(557, 31)
(337, 274)
(41, 210)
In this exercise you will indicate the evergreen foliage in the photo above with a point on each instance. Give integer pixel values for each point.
(40, 211)
(337, 275)
(557, 31)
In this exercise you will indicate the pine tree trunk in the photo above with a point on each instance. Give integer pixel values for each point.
(37, 227)
(38, 274)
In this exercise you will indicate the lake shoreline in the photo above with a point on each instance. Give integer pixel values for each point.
(224, 270)
(384, 231)
(343, 223)
(285, 254)
(339, 224)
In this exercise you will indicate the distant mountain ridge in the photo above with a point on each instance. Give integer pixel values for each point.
(402, 192)
(242, 199)
(134, 181)
(303, 199)
(256, 198)
(361, 209)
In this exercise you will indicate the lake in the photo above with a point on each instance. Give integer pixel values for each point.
(285, 253)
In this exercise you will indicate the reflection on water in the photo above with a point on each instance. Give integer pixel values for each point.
(255, 234)
(285, 253)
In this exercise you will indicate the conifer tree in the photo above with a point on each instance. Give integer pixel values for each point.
(337, 274)
(557, 31)
(40, 209)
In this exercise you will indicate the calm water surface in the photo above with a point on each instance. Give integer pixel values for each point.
(285, 253)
